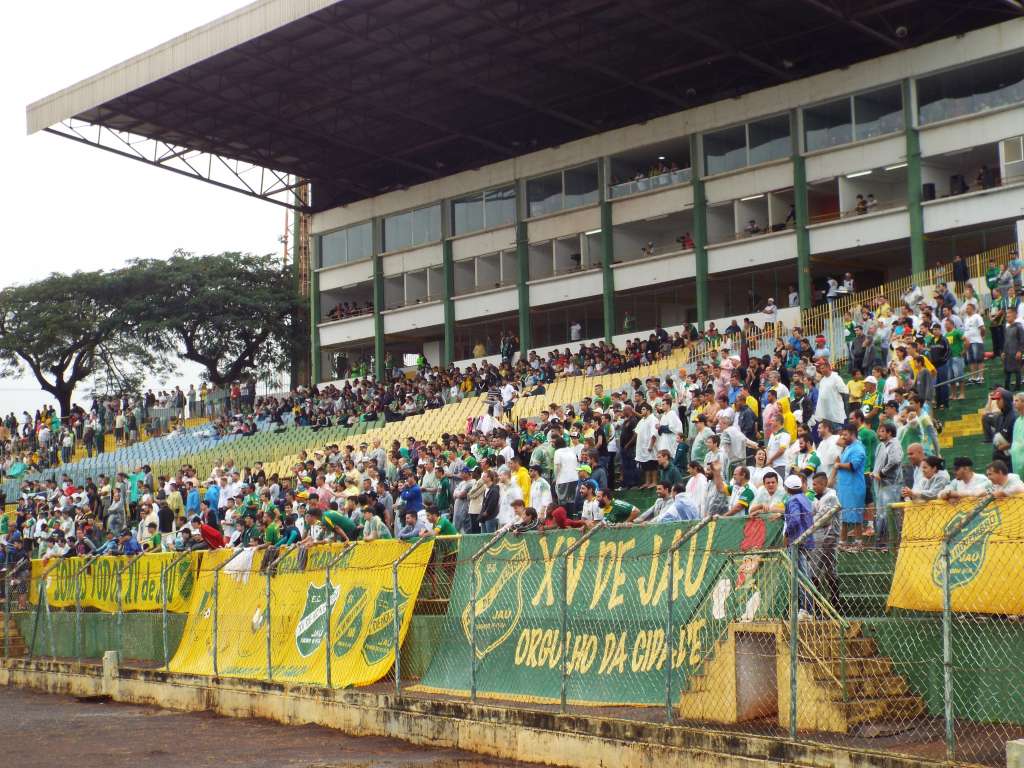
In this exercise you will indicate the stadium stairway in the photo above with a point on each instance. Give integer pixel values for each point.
(10, 638)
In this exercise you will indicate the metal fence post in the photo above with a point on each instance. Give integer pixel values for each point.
(472, 613)
(330, 608)
(565, 610)
(119, 619)
(947, 653)
(395, 621)
(7, 614)
(78, 615)
(216, 604)
(947, 624)
(670, 620)
(270, 664)
(794, 628)
(163, 615)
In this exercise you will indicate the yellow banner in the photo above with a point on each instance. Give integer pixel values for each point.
(986, 558)
(352, 613)
(98, 583)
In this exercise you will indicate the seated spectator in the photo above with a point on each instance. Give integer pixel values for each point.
(1004, 483)
(967, 483)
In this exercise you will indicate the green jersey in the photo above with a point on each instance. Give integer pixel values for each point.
(742, 495)
(618, 511)
(334, 520)
(376, 527)
(444, 527)
(870, 441)
(273, 533)
(956, 342)
(992, 277)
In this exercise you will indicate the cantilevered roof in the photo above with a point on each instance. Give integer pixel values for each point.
(364, 96)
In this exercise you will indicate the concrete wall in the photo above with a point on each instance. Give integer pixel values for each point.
(512, 733)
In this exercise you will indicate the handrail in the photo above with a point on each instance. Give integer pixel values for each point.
(349, 546)
(472, 614)
(565, 605)
(396, 622)
(669, 628)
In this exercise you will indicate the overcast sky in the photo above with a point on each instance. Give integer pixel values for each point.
(67, 206)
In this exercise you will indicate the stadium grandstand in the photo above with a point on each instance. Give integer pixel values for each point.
(749, 269)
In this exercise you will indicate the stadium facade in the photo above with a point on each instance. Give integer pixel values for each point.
(695, 203)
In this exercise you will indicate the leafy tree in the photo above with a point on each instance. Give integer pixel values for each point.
(67, 328)
(232, 313)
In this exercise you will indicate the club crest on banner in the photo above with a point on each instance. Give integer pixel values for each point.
(499, 602)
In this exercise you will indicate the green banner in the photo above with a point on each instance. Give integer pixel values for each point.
(616, 587)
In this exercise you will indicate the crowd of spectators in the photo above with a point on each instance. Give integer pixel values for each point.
(780, 436)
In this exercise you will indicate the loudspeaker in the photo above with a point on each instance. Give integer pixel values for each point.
(928, 191)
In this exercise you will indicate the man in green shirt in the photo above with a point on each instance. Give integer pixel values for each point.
(373, 526)
(600, 398)
(992, 276)
(867, 437)
(741, 492)
(340, 524)
(668, 472)
(273, 533)
(442, 526)
(616, 510)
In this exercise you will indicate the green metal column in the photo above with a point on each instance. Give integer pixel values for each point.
(607, 256)
(523, 276)
(914, 212)
(378, 304)
(803, 237)
(448, 267)
(700, 230)
(314, 313)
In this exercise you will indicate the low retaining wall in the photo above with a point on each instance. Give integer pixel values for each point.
(538, 737)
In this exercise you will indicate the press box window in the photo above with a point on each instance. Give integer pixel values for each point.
(344, 246)
(412, 228)
(563, 190)
(484, 210)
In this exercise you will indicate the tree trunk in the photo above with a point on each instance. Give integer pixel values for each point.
(63, 395)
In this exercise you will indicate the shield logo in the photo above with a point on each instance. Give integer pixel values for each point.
(967, 549)
(499, 601)
(349, 625)
(311, 628)
(379, 643)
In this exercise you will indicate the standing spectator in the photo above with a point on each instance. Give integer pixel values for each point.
(848, 480)
(1012, 348)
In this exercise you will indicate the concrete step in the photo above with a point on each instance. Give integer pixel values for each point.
(899, 709)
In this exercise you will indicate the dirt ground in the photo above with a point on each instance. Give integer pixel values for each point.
(38, 730)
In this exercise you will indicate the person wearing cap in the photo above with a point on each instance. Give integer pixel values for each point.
(871, 401)
(127, 544)
(966, 483)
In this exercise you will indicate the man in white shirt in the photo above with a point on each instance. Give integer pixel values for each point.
(967, 483)
(828, 449)
(540, 493)
(770, 498)
(974, 337)
(777, 445)
(1004, 482)
(646, 451)
(592, 512)
(566, 473)
(669, 426)
(831, 389)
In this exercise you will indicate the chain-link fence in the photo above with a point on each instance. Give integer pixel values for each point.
(913, 648)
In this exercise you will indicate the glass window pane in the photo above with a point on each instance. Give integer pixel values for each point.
(332, 249)
(725, 150)
(1013, 150)
(581, 186)
(544, 195)
(769, 139)
(360, 241)
(398, 231)
(878, 112)
(426, 225)
(467, 214)
(500, 207)
(828, 125)
(970, 89)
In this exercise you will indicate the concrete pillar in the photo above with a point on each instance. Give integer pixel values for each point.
(800, 207)
(378, 304)
(314, 314)
(700, 229)
(522, 277)
(448, 302)
(607, 257)
(914, 212)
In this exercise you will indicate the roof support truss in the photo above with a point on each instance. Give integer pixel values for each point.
(248, 179)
